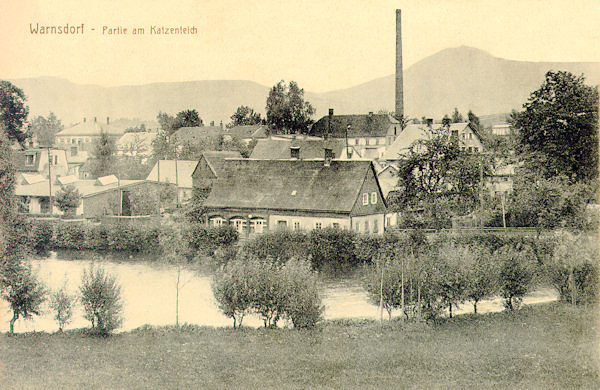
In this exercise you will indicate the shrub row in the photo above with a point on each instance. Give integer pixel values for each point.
(271, 290)
(44, 235)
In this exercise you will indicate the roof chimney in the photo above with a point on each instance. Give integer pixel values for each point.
(399, 75)
(94, 119)
(221, 124)
(212, 123)
(83, 119)
(107, 120)
(429, 122)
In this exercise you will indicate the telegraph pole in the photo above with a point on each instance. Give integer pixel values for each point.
(50, 200)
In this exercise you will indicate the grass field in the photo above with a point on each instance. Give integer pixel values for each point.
(548, 346)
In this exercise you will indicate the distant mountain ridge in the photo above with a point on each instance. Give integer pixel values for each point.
(462, 77)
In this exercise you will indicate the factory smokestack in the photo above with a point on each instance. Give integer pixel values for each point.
(399, 76)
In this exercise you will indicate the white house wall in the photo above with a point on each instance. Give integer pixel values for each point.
(359, 223)
(307, 223)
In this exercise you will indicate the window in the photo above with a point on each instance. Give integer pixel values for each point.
(356, 141)
(336, 225)
(318, 225)
(375, 227)
(55, 160)
(366, 226)
(282, 224)
(373, 197)
(365, 199)
(470, 135)
(296, 225)
(29, 159)
(388, 221)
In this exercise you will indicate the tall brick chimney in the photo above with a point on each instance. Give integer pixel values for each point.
(399, 75)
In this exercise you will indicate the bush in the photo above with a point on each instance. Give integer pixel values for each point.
(41, 236)
(101, 299)
(516, 275)
(23, 292)
(302, 301)
(279, 245)
(62, 304)
(332, 250)
(208, 239)
(232, 290)
(70, 236)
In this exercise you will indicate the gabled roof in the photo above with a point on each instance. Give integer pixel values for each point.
(196, 134)
(31, 178)
(369, 125)
(64, 180)
(169, 175)
(248, 131)
(106, 180)
(86, 187)
(410, 134)
(277, 149)
(90, 128)
(303, 185)
(216, 159)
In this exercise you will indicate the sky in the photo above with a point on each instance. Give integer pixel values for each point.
(323, 45)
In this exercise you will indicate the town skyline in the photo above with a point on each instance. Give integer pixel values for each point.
(321, 46)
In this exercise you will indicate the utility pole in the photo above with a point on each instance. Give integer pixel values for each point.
(50, 200)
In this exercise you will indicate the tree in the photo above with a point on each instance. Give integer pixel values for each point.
(104, 153)
(302, 300)
(516, 274)
(232, 290)
(13, 111)
(383, 283)
(287, 112)
(45, 129)
(482, 276)
(62, 304)
(435, 173)
(560, 122)
(456, 116)
(68, 199)
(186, 118)
(100, 295)
(24, 294)
(244, 116)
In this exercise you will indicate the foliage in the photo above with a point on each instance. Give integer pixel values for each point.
(516, 274)
(13, 111)
(332, 250)
(186, 118)
(548, 203)
(68, 199)
(24, 294)
(573, 269)
(383, 283)
(104, 154)
(45, 128)
(209, 239)
(560, 123)
(453, 278)
(232, 290)
(62, 304)
(456, 116)
(303, 304)
(287, 112)
(483, 275)
(279, 245)
(434, 171)
(244, 116)
(100, 295)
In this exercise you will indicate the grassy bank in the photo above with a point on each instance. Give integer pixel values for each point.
(543, 346)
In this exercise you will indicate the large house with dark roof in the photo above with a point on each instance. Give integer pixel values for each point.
(369, 134)
(260, 195)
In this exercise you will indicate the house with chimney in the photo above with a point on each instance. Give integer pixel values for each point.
(42, 161)
(257, 196)
(370, 135)
(466, 135)
(84, 134)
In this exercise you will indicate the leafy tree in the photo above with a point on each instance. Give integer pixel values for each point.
(303, 302)
(186, 118)
(13, 111)
(453, 278)
(24, 294)
(440, 177)
(68, 199)
(232, 290)
(516, 274)
(45, 129)
(244, 115)
(104, 153)
(287, 112)
(474, 121)
(383, 283)
(268, 291)
(560, 122)
(137, 129)
(482, 276)
(100, 294)
(62, 304)
(456, 116)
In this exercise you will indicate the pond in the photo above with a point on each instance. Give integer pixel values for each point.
(149, 295)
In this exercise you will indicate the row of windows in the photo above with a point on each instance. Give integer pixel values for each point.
(75, 140)
(29, 159)
(367, 226)
(365, 198)
(369, 141)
